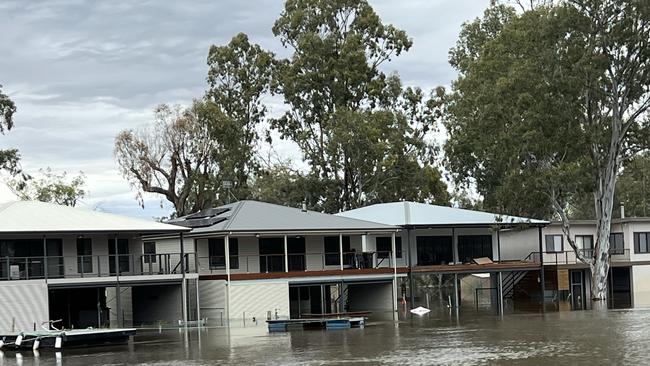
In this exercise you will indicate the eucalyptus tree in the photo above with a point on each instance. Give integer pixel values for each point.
(9, 157)
(49, 186)
(172, 156)
(548, 105)
(359, 145)
(239, 77)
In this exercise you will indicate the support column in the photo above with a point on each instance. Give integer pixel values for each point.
(499, 243)
(393, 254)
(456, 305)
(341, 250)
(500, 289)
(183, 281)
(286, 255)
(226, 244)
(541, 270)
(410, 274)
(198, 303)
(45, 258)
(454, 245)
(118, 289)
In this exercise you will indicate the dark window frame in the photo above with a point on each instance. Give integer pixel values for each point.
(546, 246)
(637, 242)
(217, 249)
(332, 257)
(613, 248)
(84, 255)
(149, 255)
(585, 251)
(384, 249)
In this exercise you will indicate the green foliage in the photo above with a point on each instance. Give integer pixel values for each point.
(239, 76)
(8, 158)
(362, 135)
(546, 100)
(51, 187)
(633, 190)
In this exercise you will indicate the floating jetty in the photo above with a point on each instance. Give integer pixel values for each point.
(320, 321)
(65, 338)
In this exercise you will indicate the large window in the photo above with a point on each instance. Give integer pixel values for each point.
(474, 246)
(271, 254)
(296, 252)
(434, 250)
(217, 253)
(331, 249)
(585, 244)
(122, 254)
(84, 255)
(642, 243)
(616, 243)
(554, 243)
(384, 246)
(149, 252)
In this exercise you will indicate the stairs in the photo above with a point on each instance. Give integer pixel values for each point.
(511, 280)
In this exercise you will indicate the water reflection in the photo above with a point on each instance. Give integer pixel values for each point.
(560, 338)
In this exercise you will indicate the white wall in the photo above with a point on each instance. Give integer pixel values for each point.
(23, 303)
(641, 286)
(255, 299)
(212, 300)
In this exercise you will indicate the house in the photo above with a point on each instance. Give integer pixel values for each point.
(569, 280)
(259, 260)
(87, 268)
(443, 244)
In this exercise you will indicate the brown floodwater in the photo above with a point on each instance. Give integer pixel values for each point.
(615, 337)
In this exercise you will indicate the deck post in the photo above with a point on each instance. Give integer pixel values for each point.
(226, 243)
(410, 273)
(341, 250)
(454, 245)
(500, 293)
(499, 243)
(118, 290)
(541, 269)
(393, 249)
(456, 291)
(183, 282)
(45, 258)
(286, 255)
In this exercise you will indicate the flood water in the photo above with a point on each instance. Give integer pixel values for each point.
(615, 337)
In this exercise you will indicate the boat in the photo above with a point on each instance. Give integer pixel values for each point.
(65, 338)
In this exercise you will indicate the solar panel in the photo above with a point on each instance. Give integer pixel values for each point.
(208, 212)
(201, 222)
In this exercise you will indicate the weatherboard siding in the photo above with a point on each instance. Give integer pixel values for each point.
(23, 304)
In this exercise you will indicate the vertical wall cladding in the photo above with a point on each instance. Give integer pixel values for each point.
(23, 303)
(641, 286)
(212, 301)
(248, 300)
(126, 305)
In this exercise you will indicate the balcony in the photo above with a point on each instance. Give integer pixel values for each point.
(302, 262)
(88, 266)
(570, 257)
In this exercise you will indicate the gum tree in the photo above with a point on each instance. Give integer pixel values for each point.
(548, 105)
(8, 158)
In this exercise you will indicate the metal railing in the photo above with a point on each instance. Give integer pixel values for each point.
(297, 262)
(81, 266)
(570, 257)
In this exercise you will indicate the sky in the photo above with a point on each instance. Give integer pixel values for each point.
(82, 71)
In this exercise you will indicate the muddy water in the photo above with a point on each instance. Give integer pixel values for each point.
(567, 338)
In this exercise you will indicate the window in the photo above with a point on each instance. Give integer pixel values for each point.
(434, 250)
(124, 259)
(84, 255)
(616, 243)
(384, 246)
(331, 249)
(217, 250)
(474, 246)
(554, 243)
(641, 243)
(150, 252)
(585, 244)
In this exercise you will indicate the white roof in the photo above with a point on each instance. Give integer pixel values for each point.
(42, 217)
(422, 214)
(6, 195)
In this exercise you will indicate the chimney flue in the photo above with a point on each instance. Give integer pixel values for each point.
(304, 207)
(622, 211)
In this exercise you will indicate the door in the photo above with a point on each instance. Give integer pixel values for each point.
(122, 255)
(577, 289)
(434, 250)
(296, 252)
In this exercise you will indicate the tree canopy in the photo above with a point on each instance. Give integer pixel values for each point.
(8, 158)
(50, 187)
(548, 104)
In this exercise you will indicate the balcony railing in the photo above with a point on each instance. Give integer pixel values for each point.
(297, 262)
(570, 257)
(81, 266)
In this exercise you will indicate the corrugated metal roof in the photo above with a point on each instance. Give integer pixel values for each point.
(42, 217)
(254, 216)
(422, 214)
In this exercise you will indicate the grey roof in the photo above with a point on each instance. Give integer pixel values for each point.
(42, 217)
(261, 217)
(422, 214)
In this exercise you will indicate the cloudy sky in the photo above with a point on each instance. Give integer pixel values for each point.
(81, 71)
